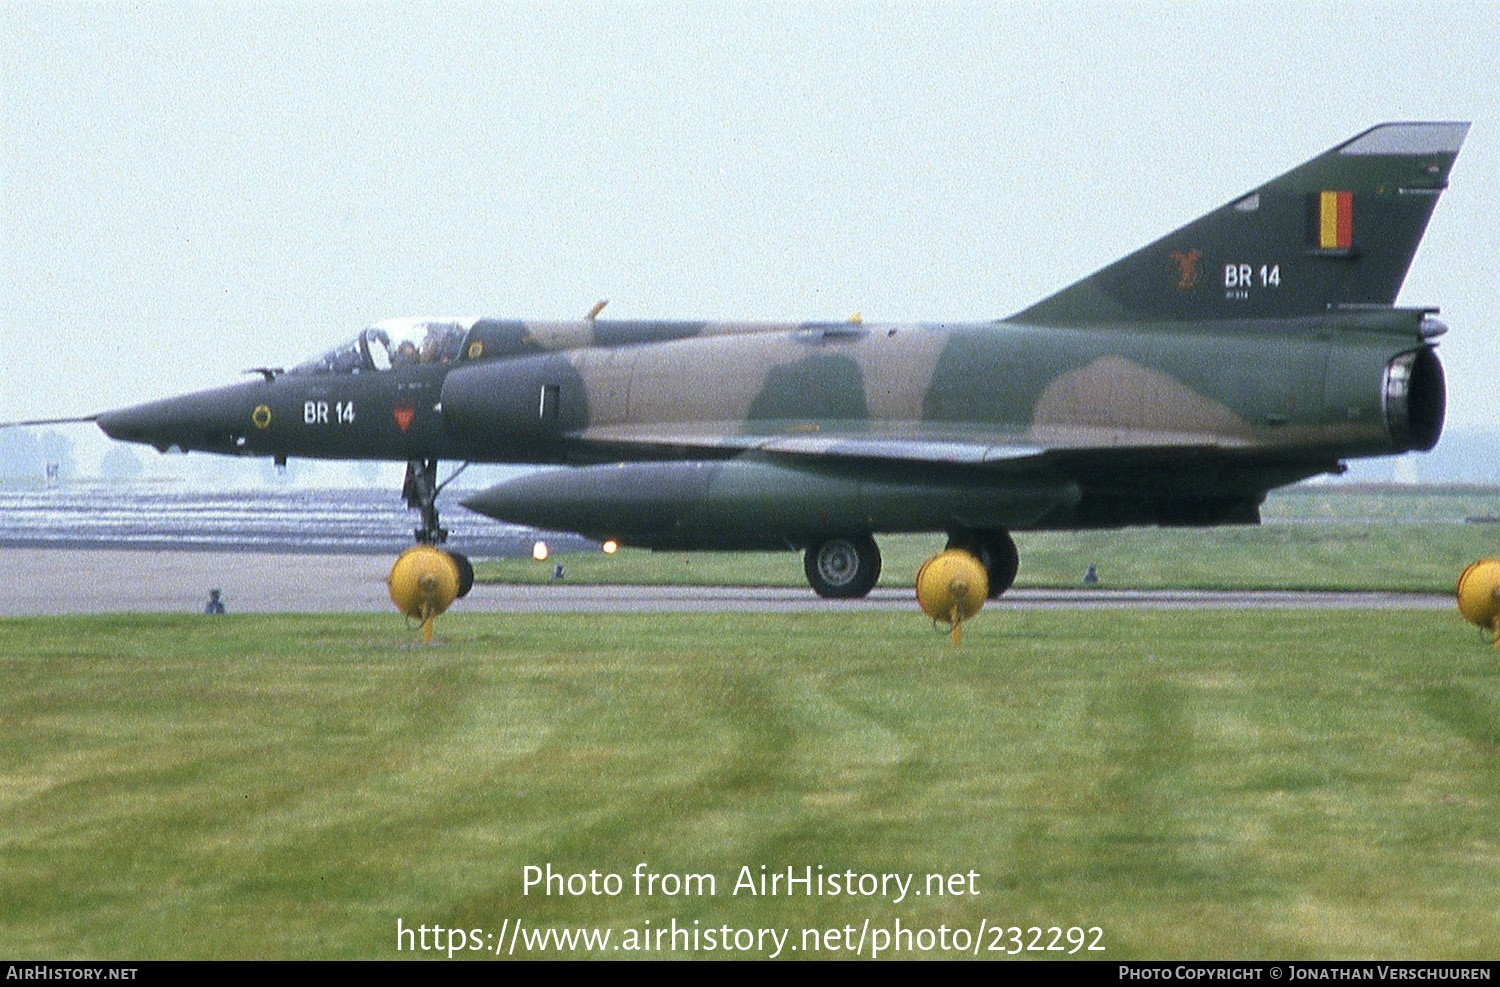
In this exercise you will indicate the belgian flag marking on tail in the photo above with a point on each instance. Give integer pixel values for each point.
(1299, 228)
(1335, 226)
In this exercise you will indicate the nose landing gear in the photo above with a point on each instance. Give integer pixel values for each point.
(427, 578)
(420, 490)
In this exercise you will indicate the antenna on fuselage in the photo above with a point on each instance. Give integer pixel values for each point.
(598, 307)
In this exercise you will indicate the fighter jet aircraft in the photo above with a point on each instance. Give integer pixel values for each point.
(1254, 347)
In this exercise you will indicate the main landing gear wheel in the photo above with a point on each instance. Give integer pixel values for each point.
(842, 568)
(996, 551)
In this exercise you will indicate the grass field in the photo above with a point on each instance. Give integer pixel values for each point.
(1195, 784)
(1315, 537)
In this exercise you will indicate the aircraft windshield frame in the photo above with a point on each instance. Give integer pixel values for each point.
(394, 344)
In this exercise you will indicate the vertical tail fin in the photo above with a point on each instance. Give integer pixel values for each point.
(1339, 230)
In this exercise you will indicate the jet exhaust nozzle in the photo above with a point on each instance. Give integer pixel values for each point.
(1415, 400)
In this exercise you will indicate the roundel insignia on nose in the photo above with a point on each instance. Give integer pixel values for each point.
(261, 416)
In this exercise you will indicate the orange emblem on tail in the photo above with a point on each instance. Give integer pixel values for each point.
(1187, 268)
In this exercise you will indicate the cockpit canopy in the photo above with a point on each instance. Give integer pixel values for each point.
(391, 344)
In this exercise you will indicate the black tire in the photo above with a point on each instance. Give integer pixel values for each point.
(465, 573)
(996, 551)
(842, 568)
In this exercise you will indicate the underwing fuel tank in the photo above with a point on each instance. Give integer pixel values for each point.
(752, 504)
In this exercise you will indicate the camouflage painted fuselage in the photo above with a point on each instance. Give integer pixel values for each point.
(1254, 347)
(822, 428)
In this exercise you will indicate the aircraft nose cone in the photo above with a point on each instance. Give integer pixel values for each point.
(208, 420)
(134, 424)
(179, 422)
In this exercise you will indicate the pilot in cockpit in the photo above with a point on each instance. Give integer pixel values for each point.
(391, 344)
(442, 342)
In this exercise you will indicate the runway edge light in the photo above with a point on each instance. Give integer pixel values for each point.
(1479, 595)
(951, 588)
(423, 583)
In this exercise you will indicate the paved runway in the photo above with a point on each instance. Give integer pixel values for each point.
(77, 581)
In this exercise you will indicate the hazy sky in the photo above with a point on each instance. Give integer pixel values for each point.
(190, 190)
